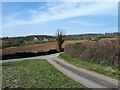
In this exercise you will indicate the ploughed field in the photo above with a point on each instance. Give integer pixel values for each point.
(43, 47)
(38, 47)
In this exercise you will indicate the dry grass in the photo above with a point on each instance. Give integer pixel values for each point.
(103, 51)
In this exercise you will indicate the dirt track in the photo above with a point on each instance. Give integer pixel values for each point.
(38, 47)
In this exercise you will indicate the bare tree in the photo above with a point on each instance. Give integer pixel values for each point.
(60, 39)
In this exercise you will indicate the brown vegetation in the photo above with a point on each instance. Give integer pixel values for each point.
(110, 38)
(3, 42)
(38, 47)
(103, 51)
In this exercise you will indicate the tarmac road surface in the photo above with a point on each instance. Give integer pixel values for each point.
(86, 78)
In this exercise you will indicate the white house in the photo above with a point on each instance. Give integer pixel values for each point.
(45, 39)
(35, 39)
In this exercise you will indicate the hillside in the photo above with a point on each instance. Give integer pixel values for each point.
(38, 48)
(39, 39)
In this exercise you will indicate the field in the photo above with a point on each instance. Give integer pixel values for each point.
(38, 47)
(34, 74)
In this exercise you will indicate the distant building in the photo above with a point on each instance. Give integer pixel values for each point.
(45, 39)
(35, 39)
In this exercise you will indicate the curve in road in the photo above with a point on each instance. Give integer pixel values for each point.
(84, 77)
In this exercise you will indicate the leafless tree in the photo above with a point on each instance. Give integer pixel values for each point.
(60, 38)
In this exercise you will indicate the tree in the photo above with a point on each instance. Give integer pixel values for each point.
(60, 39)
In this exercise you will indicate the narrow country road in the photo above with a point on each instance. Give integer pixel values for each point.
(86, 78)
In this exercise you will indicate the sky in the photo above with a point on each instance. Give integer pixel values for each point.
(44, 18)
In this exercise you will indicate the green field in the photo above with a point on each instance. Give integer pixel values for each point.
(35, 74)
(110, 71)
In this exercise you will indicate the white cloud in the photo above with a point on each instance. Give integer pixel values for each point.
(65, 10)
(86, 23)
(32, 11)
(41, 7)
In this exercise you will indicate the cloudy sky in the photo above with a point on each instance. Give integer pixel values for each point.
(38, 18)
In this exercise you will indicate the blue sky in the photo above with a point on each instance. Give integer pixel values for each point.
(38, 18)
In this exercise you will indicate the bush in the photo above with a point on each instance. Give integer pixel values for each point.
(103, 51)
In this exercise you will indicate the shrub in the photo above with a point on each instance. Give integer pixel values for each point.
(103, 51)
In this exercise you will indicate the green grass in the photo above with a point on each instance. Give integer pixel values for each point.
(35, 74)
(110, 71)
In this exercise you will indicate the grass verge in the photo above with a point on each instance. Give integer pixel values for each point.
(34, 74)
(110, 71)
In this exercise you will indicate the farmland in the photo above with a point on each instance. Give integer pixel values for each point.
(38, 47)
(35, 74)
(12, 45)
(10, 42)
(42, 47)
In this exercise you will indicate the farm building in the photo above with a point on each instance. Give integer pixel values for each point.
(45, 39)
(35, 39)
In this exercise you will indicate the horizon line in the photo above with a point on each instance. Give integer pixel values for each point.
(55, 35)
